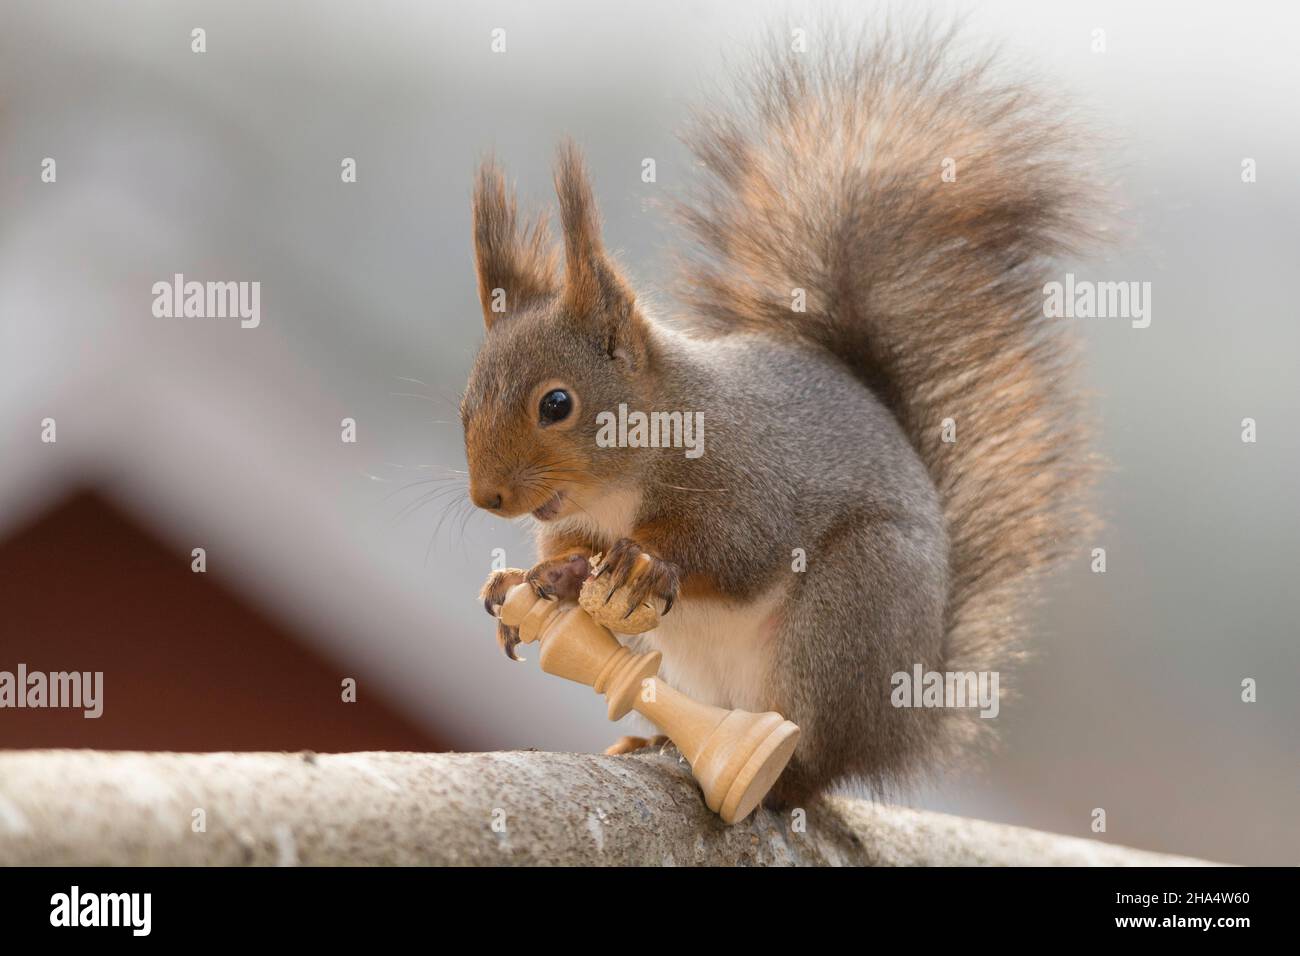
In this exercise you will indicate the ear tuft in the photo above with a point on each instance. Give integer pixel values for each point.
(521, 265)
(591, 283)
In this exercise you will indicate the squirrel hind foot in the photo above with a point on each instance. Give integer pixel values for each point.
(627, 745)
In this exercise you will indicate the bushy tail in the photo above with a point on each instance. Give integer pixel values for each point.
(918, 201)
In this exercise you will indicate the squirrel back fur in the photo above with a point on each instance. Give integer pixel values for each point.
(825, 175)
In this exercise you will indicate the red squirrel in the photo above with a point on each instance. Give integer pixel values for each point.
(891, 448)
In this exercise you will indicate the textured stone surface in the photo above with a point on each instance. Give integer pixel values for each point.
(97, 808)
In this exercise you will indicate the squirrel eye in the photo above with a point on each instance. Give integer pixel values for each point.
(555, 406)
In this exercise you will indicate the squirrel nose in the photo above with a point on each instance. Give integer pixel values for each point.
(488, 499)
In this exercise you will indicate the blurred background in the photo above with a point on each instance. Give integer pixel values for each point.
(328, 560)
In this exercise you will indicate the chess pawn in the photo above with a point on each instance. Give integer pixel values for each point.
(735, 756)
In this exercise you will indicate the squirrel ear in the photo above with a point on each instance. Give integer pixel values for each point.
(591, 283)
(514, 268)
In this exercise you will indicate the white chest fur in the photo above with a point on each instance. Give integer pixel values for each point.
(609, 516)
(716, 651)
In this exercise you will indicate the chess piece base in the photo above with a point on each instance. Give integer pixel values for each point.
(760, 772)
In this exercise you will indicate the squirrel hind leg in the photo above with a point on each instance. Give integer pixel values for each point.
(846, 630)
(793, 789)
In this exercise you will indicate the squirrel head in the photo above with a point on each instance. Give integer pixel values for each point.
(561, 346)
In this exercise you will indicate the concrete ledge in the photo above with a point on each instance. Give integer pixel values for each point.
(85, 807)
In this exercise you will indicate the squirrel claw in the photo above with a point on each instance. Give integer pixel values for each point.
(643, 579)
(508, 638)
(493, 596)
(495, 587)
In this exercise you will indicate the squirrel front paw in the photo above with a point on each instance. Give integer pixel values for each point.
(641, 573)
(560, 577)
(493, 595)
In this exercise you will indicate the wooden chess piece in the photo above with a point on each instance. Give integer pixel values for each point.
(736, 756)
